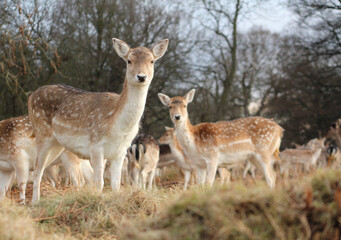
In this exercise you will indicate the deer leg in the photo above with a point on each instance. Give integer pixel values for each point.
(225, 175)
(201, 176)
(187, 177)
(135, 178)
(151, 178)
(52, 174)
(116, 171)
(125, 171)
(97, 160)
(211, 172)
(265, 163)
(5, 182)
(22, 171)
(144, 175)
(47, 151)
(246, 169)
(87, 172)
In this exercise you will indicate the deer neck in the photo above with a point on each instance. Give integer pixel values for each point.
(175, 145)
(184, 133)
(130, 105)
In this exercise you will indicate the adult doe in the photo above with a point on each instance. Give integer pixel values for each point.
(95, 125)
(225, 142)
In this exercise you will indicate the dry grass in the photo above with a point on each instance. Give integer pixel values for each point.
(308, 208)
(16, 223)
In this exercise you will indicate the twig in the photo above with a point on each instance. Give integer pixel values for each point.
(62, 214)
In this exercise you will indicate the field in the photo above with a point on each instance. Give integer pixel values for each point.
(305, 208)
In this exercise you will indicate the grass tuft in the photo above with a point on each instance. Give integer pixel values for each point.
(307, 209)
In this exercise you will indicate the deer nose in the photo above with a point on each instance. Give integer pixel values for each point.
(177, 117)
(141, 77)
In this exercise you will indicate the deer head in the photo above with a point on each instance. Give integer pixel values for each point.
(140, 61)
(177, 106)
(167, 137)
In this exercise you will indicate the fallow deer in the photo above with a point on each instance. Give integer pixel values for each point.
(95, 125)
(304, 157)
(143, 158)
(225, 142)
(17, 153)
(182, 161)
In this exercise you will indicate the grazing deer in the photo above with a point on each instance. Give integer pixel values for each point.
(96, 125)
(226, 142)
(169, 137)
(143, 158)
(305, 157)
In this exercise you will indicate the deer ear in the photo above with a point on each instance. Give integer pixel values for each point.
(164, 99)
(168, 128)
(160, 48)
(121, 48)
(189, 96)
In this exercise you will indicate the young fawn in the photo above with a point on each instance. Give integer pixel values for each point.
(94, 125)
(225, 142)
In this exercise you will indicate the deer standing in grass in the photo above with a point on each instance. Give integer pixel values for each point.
(95, 125)
(18, 155)
(305, 157)
(226, 142)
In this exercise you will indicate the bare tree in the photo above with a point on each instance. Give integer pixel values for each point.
(26, 60)
(324, 17)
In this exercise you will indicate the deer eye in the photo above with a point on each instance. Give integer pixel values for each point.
(152, 62)
(185, 106)
(170, 107)
(129, 62)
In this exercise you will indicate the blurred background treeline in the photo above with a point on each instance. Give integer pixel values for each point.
(292, 76)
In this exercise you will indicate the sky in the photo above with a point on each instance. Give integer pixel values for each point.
(272, 15)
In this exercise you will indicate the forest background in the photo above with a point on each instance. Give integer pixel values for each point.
(291, 76)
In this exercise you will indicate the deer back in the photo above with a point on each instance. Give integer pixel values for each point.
(15, 134)
(253, 133)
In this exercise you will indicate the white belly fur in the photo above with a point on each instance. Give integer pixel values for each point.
(113, 145)
(234, 157)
